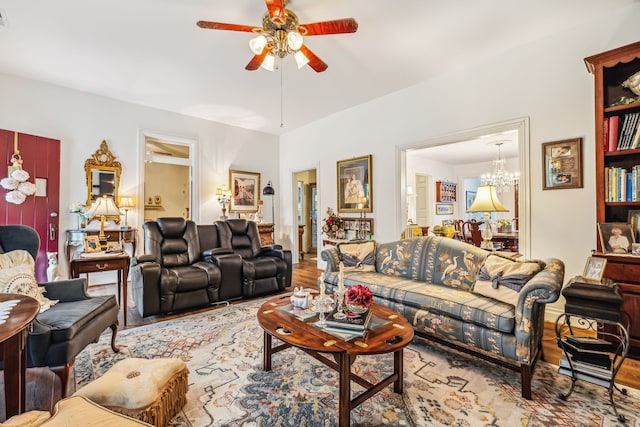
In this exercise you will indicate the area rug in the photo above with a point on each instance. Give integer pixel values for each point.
(227, 386)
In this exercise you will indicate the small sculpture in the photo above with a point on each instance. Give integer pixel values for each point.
(633, 83)
(300, 298)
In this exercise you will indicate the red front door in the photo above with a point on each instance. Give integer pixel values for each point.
(41, 159)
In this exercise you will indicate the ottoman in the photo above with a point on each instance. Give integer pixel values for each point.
(150, 390)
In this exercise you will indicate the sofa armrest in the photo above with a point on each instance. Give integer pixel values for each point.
(209, 254)
(332, 257)
(38, 341)
(66, 290)
(145, 286)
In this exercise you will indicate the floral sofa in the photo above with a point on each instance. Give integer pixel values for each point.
(458, 294)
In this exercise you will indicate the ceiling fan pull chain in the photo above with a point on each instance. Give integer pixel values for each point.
(281, 99)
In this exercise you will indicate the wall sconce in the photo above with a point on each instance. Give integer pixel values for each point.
(223, 194)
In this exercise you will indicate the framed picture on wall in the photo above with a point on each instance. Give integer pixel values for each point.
(355, 188)
(470, 197)
(444, 209)
(244, 191)
(562, 164)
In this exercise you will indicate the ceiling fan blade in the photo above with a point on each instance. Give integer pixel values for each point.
(276, 10)
(256, 61)
(230, 27)
(314, 62)
(338, 26)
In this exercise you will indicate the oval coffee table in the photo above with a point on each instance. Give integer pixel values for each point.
(391, 337)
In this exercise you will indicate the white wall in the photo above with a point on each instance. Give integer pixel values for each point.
(81, 121)
(546, 81)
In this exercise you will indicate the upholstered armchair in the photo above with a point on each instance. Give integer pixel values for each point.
(60, 333)
(173, 275)
(266, 269)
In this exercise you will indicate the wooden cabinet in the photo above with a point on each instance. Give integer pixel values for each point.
(610, 70)
(266, 233)
(446, 191)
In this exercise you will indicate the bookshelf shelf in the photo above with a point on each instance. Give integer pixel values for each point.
(587, 358)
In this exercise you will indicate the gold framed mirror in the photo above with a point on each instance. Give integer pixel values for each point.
(103, 176)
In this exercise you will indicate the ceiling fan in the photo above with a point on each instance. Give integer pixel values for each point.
(281, 35)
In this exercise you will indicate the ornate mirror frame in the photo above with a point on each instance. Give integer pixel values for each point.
(103, 171)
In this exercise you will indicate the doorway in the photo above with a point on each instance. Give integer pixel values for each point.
(306, 213)
(168, 184)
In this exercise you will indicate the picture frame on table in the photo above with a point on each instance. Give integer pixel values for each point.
(633, 218)
(562, 164)
(245, 188)
(615, 237)
(444, 208)
(355, 184)
(594, 269)
(92, 244)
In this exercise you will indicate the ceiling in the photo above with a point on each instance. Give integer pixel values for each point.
(151, 52)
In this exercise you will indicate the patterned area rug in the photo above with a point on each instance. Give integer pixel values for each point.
(227, 386)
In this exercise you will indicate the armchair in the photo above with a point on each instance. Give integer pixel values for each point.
(265, 269)
(173, 274)
(64, 330)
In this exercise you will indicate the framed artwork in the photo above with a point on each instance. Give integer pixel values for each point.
(355, 185)
(444, 209)
(594, 269)
(355, 224)
(615, 237)
(244, 191)
(633, 218)
(92, 244)
(562, 164)
(470, 197)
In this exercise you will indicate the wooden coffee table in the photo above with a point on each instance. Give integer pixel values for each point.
(293, 332)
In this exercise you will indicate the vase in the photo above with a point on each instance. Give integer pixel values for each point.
(331, 234)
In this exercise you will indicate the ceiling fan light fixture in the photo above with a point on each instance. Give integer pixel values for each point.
(269, 62)
(294, 39)
(257, 44)
(301, 59)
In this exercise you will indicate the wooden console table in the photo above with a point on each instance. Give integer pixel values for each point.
(96, 264)
(74, 243)
(13, 343)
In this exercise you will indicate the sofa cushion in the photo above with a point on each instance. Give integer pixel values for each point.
(17, 276)
(358, 255)
(456, 303)
(502, 278)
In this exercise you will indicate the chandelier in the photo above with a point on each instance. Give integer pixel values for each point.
(503, 180)
(280, 39)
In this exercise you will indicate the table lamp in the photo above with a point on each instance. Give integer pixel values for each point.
(486, 201)
(126, 203)
(103, 206)
(223, 194)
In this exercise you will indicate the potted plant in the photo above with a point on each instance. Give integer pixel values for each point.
(504, 226)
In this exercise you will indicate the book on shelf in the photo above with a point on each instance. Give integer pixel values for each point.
(590, 343)
(613, 133)
(352, 322)
(606, 382)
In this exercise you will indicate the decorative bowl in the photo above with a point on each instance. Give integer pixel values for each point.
(356, 308)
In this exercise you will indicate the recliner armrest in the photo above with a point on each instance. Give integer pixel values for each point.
(272, 251)
(66, 290)
(208, 254)
(142, 258)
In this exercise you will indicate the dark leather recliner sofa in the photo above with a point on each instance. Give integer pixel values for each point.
(185, 266)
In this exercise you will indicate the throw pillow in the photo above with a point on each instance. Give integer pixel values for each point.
(358, 255)
(17, 276)
(502, 278)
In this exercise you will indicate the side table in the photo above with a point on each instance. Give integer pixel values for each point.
(13, 342)
(103, 262)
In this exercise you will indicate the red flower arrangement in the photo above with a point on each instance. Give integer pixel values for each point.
(359, 295)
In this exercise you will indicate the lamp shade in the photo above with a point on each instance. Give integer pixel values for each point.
(103, 206)
(127, 202)
(487, 200)
(268, 190)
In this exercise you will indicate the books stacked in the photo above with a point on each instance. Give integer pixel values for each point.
(352, 324)
(622, 132)
(622, 185)
(590, 358)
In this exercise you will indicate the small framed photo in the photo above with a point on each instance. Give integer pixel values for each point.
(113, 246)
(615, 237)
(245, 188)
(633, 218)
(92, 244)
(562, 164)
(594, 269)
(444, 209)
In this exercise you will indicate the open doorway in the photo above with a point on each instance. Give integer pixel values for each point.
(168, 187)
(306, 213)
(462, 159)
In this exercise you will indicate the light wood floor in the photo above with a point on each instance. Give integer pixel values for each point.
(43, 387)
